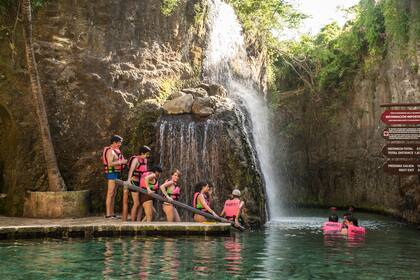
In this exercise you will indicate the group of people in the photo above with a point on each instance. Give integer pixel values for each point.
(140, 175)
(348, 219)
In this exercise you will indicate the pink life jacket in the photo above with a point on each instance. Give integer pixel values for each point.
(231, 208)
(353, 230)
(197, 204)
(152, 186)
(140, 169)
(331, 227)
(176, 192)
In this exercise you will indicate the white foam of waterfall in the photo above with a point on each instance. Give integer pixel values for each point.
(227, 63)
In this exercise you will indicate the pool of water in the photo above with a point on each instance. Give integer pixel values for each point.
(292, 247)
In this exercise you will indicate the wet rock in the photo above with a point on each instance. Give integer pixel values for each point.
(203, 106)
(196, 92)
(217, 90)
(180, 105)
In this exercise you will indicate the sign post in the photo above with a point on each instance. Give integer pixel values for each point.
(402, 135)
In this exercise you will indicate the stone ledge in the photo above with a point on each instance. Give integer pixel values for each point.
(24, 228)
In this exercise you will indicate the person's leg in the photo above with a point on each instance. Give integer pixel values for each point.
(125, 205)
(176, 215)
(110, 194)
(199, 219)
(168, 209)
(148, 210)
(135, 196)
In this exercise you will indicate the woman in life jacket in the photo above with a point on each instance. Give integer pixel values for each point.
(137, 167)
(171, 191)
(201, 201)
(149, 181)
(113, 162)
(232, 208)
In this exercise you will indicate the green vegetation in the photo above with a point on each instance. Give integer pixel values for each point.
(168, 6)
(325, 64)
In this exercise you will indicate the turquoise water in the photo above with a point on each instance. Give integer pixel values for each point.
(290, 248)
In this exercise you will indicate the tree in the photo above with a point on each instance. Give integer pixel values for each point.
(55, 180)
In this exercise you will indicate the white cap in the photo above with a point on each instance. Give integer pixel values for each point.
(236, 192)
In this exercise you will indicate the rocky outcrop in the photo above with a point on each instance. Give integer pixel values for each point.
(203, 106)
(179, 105)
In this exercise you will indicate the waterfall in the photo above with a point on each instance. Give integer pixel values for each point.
(226, 63)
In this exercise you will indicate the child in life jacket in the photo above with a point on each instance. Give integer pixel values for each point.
(171, 191)
(113, 162)
(137, 167)
(232, 209)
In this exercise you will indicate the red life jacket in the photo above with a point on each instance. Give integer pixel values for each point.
(231, 208)
(140, 169)
(116, 168)
(152, 186)
(198, 205)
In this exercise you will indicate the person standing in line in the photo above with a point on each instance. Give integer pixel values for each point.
(171, 191)
(150, 182)
(232, 208)
(201, 201)
(114, 162)
(137, 167)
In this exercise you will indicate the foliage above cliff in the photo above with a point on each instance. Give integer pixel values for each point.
(260, 18)
(327, 62)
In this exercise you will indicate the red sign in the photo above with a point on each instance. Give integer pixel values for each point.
(401, 133)
(402, 150)
(395, 167)
(401, 117)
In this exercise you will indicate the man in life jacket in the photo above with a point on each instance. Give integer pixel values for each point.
(113, 162)
(232, 209)
(137, 167)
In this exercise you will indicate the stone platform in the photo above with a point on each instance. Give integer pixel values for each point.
(21, 228)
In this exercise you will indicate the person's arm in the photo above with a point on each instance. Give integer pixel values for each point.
(146, 181)
(204, 203)
(238, 214)
(132, 167)
(163, 188)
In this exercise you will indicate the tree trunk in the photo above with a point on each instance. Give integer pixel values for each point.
(55, 181)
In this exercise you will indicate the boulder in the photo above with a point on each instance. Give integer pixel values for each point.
(204, 86)
(196, 92)
(175, 95)
(203, 106)
(180, 105)
(217, 90)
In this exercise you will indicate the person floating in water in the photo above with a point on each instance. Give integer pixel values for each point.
(150, 182)
(201, 201)
(137, 167)
(113, 162)
(171, 191)
(333, 217)
(232, 208)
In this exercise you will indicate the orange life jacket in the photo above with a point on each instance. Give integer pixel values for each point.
(231, 208)
(140, 169)
(115, 168)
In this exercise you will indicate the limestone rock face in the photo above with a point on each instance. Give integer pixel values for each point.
(203, 106)
(196, 92)
(217, 90)
(180, 105)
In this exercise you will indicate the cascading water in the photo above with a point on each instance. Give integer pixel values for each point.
(226, 63)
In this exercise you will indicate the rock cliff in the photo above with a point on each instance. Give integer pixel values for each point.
(106, 68)
(332, 155)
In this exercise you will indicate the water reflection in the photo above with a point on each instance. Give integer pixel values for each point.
(233, 251)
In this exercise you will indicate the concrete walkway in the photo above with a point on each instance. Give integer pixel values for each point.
(19, 228)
